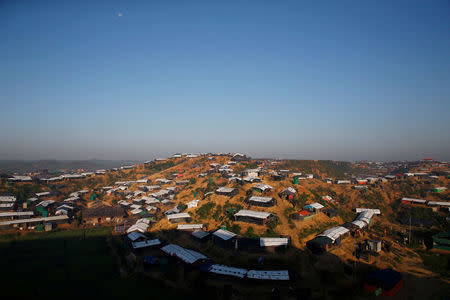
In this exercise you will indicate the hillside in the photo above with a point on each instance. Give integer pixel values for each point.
(216, 211)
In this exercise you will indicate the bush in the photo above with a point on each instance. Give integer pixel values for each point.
(181, 207)
(205, 210)
(235, 228)
(250, 232)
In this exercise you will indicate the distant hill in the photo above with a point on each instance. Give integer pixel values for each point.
(329, 168)
(23, 166)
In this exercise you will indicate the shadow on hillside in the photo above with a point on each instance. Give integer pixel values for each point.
(90, 264)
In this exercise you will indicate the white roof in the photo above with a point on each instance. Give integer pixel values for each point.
(260, 199)
(160, 193)
(230, 271)
(365, 216)
(268, 275)
(178, 216)
(17, 214)
(414, 200)
(270, 242)
(376, 211)
(45, 203)
(133, 236)
(225, 190)
(147, 243)
(200, 234)
(224, 234)
(186, 255)
(262, 186)
(141, 227)
(136, 211)
(290, 190)
(359, 223)
(335, 232)
(43, 194)
(315, 205)
(437, 203)
(8, 199)
(20, 178)
(189, 226)
(34, 220)
(252, 214)
(143, 220)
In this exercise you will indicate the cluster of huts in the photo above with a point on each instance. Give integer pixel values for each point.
(333, 237)
(435, 205)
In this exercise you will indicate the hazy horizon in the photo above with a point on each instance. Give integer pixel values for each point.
(136, 80)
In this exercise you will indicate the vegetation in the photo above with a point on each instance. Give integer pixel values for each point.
(181, 206)
(439, 263)
(305, 232)
(250, 232)
(158, 167)
(235, 228)
(205, 210)
(337, 169)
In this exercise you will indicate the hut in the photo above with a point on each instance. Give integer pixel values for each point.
(319, 244)
(314, 207)
(414, 201)
(179, 217)
(188, 256)
(301, 215)
(189, 227)
(103, 213)
(252, 216)
(288, 193)
(262, 201)
(262, 188)
(226, 191)
(200, 236)
(224, 238)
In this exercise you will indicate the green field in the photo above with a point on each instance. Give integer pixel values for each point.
(68, 264)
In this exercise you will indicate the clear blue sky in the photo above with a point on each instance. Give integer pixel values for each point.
(344, 80)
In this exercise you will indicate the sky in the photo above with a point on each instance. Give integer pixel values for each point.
(340, 80)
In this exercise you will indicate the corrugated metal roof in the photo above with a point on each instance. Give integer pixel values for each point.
(268, 275)
(133, 236)
(260, 199)
(335, 232)
(35, 220)
(17, 214)
(273, 242)
(414, 200)
(376, 211)
(224, 234)
(178, 216)
(252, 214)
(189, 226)
(200, 234)
(315, 205)
(186, 255)
(230, 271)
(147, 243)
(225, 190)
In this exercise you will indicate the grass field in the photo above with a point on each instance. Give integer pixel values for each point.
(67, 264)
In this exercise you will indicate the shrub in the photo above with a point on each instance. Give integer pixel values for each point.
(181, 206)
(205, 210)
(235, 228)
